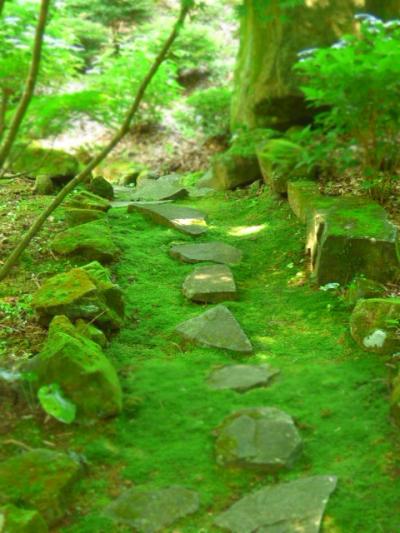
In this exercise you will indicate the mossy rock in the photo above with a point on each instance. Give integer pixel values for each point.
(81, 369)
(75, 216)
(41, 480)
(101, 187)
(91, 332)
(395, 400)
(16, 520)
(303, 196)
(230, 171)
(92, 241)
(374, 325)
(44, 185)
(85, 293)
(88, 200)
(363, 288)
(35, 160)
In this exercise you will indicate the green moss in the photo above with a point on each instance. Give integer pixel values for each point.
(22, 520)
(34, 160)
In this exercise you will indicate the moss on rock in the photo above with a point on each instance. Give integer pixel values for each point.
(16, 520)
(92, 241)
(39, 479)
(34, 160)
(88, 200)
(86, 293)
(374, 325)
(75, 216)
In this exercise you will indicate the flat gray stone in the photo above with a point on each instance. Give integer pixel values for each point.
(210, 284)
(165, 188)
(294, 507)
(149, 511)
(264, 438)
(217, 252)
(217, 328)
(184, 219)
(241, 377)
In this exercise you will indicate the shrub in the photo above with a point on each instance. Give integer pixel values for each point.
(357, 82)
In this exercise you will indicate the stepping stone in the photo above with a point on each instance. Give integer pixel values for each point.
(149, 511)
(294, 507)
(264, 438)
(241, 377)
(184, 219)
(210, 284)
(217, 328)
(218, 252)
(166, 188)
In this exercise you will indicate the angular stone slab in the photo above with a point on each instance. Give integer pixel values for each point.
(346, 236)
(149, 511)
(210, 284)
(92, 241)
(293, 507)
(165, 188)
(262, 438)
(217, 252)
(374, 325)
(217, 328)
(241, 377)
(184, 219)
(39, 479)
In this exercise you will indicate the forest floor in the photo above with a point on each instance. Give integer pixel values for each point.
(337, 394)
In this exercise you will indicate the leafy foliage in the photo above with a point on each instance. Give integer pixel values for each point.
(112, 12)
(357, 82)
(55, 404)
(209, 111)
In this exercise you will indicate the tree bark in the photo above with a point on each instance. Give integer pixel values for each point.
(30, 84)
(2, 2)
(124, 129)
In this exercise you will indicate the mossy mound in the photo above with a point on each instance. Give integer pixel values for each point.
(34, 160)
(86, 293)
(39, 479)
(88, 200)
(86, 329)
(231, 170)
(92, 241)
(374, 325)
(101, 187)
(75, 216)
(82, 370)
(16, 520)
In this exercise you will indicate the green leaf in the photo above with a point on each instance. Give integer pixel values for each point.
(55, 404)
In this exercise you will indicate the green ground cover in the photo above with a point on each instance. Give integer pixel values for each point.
(337, 394)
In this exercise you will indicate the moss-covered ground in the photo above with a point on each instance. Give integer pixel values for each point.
(337, 394)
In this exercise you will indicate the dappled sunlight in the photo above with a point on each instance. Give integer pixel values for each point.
(244, 231)
(189, 222)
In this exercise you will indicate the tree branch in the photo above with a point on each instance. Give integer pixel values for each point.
(29, 84)
(124, 129)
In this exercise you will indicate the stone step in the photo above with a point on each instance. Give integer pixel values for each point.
(217, 252)
(285, 508)
(262, 438)
(210, 284)
(241, 378)
(184, 219)
(217, 328)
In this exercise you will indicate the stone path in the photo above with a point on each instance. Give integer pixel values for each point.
(263, 438)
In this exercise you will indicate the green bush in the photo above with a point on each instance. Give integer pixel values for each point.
(357, 83)
(209, 111)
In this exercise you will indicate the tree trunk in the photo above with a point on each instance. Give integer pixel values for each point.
(2, 2)
(125, 128)
(30, 84)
